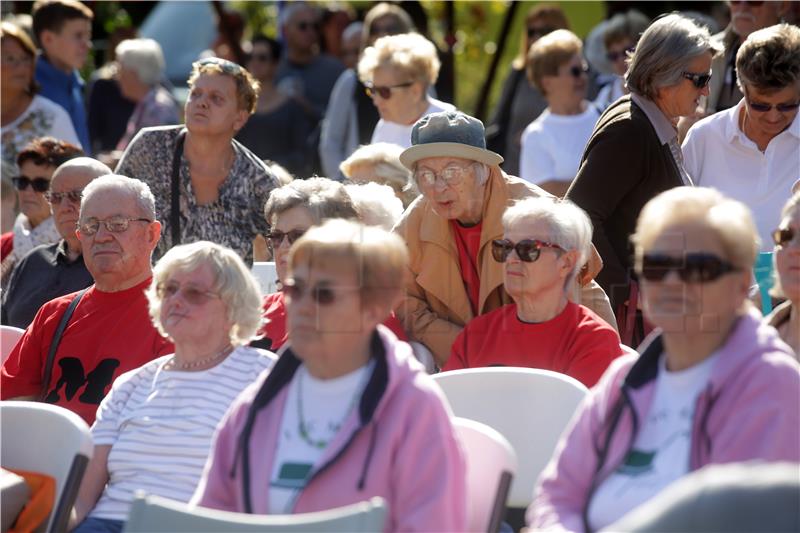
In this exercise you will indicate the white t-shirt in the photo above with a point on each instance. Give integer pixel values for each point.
(610, 93)
(159, 424)
(660, 453)
(717, 154)
(400, 134)
(325, 405)
(552, 145)
(42, 118)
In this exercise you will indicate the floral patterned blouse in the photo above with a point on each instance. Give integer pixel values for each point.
(233, 220)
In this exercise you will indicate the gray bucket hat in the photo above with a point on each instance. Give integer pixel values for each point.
(449, 133)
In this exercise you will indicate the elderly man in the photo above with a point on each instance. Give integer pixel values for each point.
(452, 276)
(52, 270)
(71, 361)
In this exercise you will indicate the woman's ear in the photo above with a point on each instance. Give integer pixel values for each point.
(567, 263)
(241, 119)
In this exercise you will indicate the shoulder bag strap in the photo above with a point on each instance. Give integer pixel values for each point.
(51, 354)
(175, 191)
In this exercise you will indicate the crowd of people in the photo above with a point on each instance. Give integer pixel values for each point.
(648, 198)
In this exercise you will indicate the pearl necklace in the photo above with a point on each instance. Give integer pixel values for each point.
(194, 364)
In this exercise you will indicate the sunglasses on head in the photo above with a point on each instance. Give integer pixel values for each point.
(74, 196)
(276, 237)
(784, 236)
(698, 80)
(691, 268)
(615, 56)
(38, 184)
(539, 32)
(321, 294)
(191, 295)
(384, 91)
(528, 250)
(228, 67)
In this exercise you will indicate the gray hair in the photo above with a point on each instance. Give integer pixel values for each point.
(136, 189)
(323, 197)
(144, 57)
(354, 29)
(236, 286)
(663, 53)
(290, 9)
(376, 204)
(567, 226)
(87, 165)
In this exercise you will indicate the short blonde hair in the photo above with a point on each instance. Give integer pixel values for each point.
(730, 219)
(769, 59)
(237, 287)
(376, 204)
(378, 257)
(549, 53)
(247, 87)
(388, 170)
(414, 56)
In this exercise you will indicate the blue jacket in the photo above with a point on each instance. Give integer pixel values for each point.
(67, 91)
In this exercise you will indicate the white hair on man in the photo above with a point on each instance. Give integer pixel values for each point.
(144, 57)
(376, 204)
(137, 189)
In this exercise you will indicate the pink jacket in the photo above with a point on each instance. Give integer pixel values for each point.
(399, 444)
(749, 410)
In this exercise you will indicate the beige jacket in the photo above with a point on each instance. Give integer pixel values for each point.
(436, 306)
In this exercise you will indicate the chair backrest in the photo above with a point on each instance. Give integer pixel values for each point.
(530, 407)
(154, 514)
(51, 440)
(267, 276)
(491, 466)
(9, 337)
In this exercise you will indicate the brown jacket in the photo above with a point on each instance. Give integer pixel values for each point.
(436, 306)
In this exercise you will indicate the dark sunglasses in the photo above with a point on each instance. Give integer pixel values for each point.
(276, 237)
(229, 67)
(388, 29)
(321, 294)
(55, 198)
(578, 71)
(528, 250)
(784, 236)
(698, 80)
(23, 182)
(691, 268)
(766, 108)
(385, 91)
(539, 32)
(192, 295)
(305, 26)
(614, 56)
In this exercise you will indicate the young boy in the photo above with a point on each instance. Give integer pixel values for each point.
(63, 29)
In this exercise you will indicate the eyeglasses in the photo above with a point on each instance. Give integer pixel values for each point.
(16, 61)
(784, 236)
(615, 56)
(228, 67)
(305, 26)
(116, 224)
(321, 294)
(74, 196)
(451, 175)
(766, 108)
(528, 250)
(191, 295)
(38, 184)
(691, 268)
(698, 80)
(276, 237)
(539, 32)
(578, 71)
(385, 91)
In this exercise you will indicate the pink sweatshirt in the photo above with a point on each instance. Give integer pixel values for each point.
(399, 444)
(749, 410)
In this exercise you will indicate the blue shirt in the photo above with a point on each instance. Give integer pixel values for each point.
(67, 91)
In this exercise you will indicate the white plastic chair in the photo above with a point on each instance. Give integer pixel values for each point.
(530, 407)
(51, 440)
(9, 337)
(154, 514)
(267, 276)
(491, 464)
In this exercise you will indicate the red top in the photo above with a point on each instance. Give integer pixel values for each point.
(108, 334)
(468, 244)
(577, 342)
(6, 244)
(275, 317)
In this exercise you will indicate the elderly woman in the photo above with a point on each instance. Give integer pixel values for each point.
(25, 115)
(713, 387)
(634, 153)
(140, 65)
(619, 39)
(346, 409)
(452, 276)
(220, 185)
(544, 244)
(204, 299)
(749, 152)
(786, 317)
(350, 117)
(380, 163)
(375, 204)
(552, 144)
(397, 72)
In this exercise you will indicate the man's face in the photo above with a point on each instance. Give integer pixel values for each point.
(747, 17)
(301, 30)
(115, 258)
(65, 204)
(69, 47)
(459, 199)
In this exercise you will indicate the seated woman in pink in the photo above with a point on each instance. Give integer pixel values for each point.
(545, 242)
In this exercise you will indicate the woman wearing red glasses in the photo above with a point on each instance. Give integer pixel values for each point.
(715, 385)
(786, 317)
(544, 244)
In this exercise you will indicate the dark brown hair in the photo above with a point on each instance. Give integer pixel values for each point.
(48, 151)
(52, 14)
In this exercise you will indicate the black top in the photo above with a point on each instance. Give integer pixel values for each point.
(43, 274)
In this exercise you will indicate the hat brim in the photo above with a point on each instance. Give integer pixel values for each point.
(465, 151)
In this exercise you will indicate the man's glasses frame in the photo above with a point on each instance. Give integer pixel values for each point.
(115, 224)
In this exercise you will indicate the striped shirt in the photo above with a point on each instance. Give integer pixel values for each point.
(160, 423)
